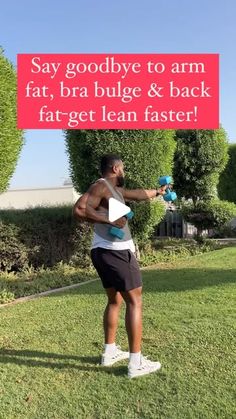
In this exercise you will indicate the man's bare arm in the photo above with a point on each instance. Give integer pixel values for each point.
(141, 194)
(86, 207)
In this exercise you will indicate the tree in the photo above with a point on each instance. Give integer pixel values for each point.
(200, 157)
(209, 214)
(146, 154)
(227, 183)
(11, 139)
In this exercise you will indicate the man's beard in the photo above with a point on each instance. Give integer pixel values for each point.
(120, 181)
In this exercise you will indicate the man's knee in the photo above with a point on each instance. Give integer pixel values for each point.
(137, 301)
(133, 297)
(114, 298)
(114, 303)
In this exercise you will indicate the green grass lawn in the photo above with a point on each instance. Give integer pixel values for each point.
(50, 349)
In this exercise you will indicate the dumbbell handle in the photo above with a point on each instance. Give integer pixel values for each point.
(130, 215)
(118, 232)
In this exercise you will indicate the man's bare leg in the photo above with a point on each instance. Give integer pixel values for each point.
(112, 353)
(133, 318)
(111, 315)
(138, 365)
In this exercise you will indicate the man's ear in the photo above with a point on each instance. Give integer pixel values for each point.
(114, 169)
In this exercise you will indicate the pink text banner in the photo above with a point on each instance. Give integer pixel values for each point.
(118, 91)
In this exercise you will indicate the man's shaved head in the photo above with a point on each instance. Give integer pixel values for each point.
(108, 161)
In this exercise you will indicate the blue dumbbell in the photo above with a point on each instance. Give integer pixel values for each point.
(169, 195)
(118, 232)
(165, 180)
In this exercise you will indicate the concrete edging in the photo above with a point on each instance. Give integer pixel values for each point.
(45, 293)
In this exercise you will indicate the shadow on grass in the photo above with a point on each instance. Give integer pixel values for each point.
(173, 280)
(31, 358)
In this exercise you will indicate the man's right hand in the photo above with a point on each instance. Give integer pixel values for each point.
(120, 223)
(162, 190)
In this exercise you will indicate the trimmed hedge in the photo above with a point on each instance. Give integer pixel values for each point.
(200, 157)
(208, 214)
(11, 138)
(42, 237)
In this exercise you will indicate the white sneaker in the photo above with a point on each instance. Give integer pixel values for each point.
(108, 359)
(146, 367)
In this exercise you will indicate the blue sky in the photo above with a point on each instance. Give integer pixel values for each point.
(124, 26)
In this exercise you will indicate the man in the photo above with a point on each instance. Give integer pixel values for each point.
(114, 260)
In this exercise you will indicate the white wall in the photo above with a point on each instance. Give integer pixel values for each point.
(233, 223)
(25, 198)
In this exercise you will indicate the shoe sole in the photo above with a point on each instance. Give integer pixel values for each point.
(144, 373)
(108, 364)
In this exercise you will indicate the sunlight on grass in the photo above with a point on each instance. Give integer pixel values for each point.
(50, 349)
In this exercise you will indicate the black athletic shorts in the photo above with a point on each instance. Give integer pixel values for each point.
(117, 268)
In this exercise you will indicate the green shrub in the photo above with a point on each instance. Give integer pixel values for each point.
(6, 296)
(42, 237)
(170, 250)
(147, 216)
(226, 187)
(208, 214)
(13, 253)
(33, 281)
(81, 242)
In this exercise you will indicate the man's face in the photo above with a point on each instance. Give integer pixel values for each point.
(120, 175)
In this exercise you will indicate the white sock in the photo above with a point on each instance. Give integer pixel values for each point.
(135, 358)
(110, 348)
